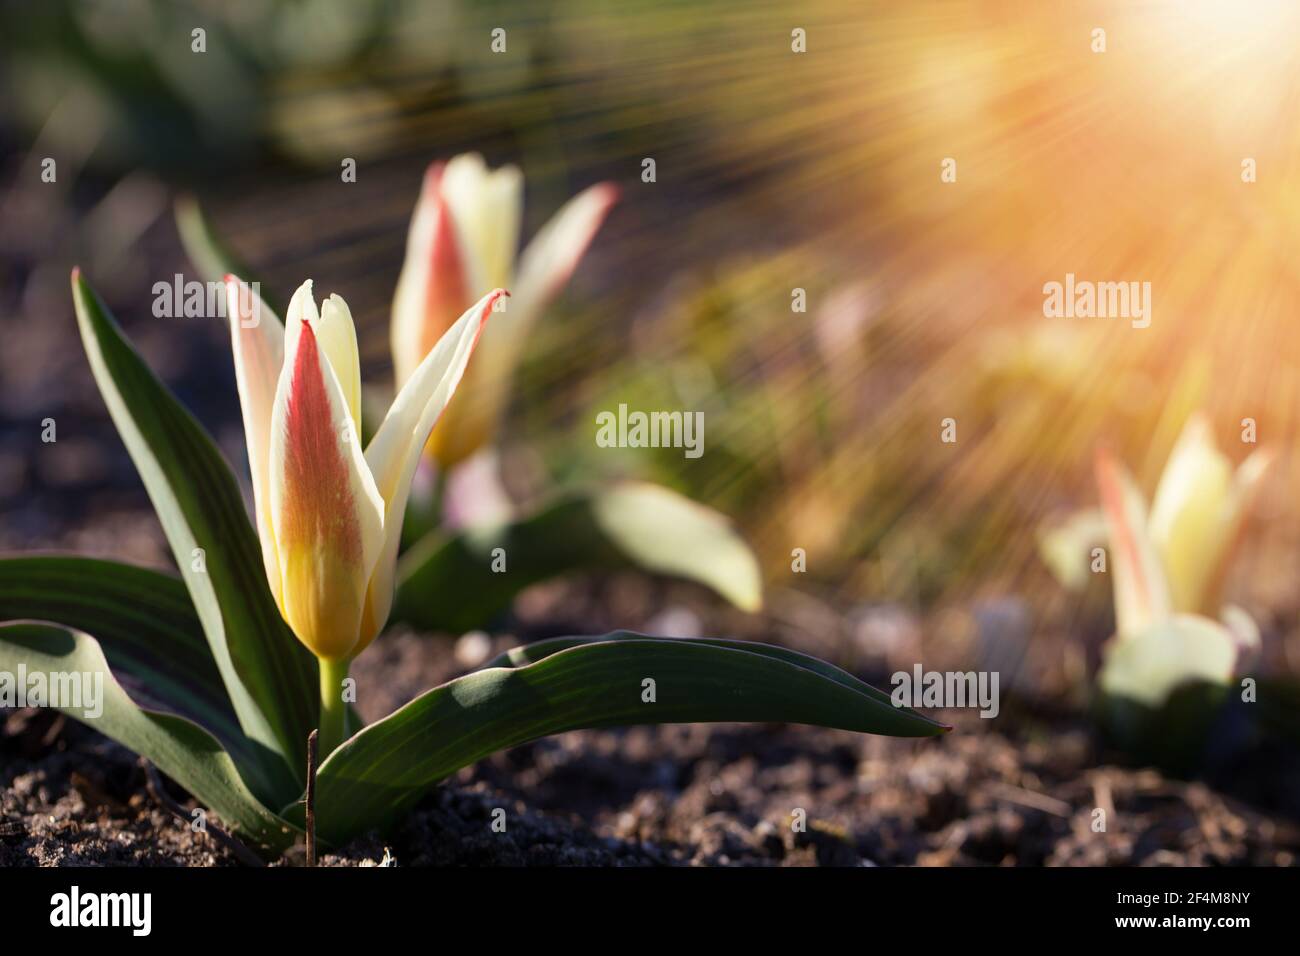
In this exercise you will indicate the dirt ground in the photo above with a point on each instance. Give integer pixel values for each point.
(1023, 791)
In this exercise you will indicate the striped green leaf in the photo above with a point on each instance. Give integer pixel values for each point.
(209, 253)
(152, 638)
(178, 747)
(583, 683)
(271, 679)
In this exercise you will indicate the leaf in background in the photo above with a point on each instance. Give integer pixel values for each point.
(181, 749)
(1276, 707)
(446, 582)
(152, 638)
(210, 255)
(1148, 666)
(380, 772)
(271, 678)
(1066, 547)
(1161, 691)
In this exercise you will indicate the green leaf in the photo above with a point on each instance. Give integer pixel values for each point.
(152, 638)
(210, 255)
(446, 582)
(1161, 691)
(270, 677)
(1149, 665)
(381, 771)
(184, 751)
(536, 651)
(1275, 708)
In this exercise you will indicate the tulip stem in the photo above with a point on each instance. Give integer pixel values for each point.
(333, 711)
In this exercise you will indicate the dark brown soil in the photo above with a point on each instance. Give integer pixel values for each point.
(683, 795)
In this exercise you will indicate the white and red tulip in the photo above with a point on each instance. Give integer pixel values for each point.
(329, 515)
(1168, 569)
(462, 241)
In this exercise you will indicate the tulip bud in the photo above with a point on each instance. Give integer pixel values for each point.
(328, 515)
(462, 241)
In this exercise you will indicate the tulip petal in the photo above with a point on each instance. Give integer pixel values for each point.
(473, 496)
(337, 336)
(1188, 515)
(1246, 483)
(555, 251)
(486, 209)
(431, 290)
(395, 451)
(257, 342)
(545, 266)
(1198, 514)
(327, 513)
(1244, 631)
(1141, 591)
(302, 308)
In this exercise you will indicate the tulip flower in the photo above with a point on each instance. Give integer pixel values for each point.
(462, 242)
(1168, 569)
(219, 695)
(328, 515)
(1197, 515)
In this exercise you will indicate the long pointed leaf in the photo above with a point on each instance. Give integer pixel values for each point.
(210, 254)
(184, 751)
(447, 582)
(381, 771)
(538, 650)
(270, 677)
(152, 638)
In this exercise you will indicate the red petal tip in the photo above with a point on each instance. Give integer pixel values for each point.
(489, 308)
(1103, 461)
(433, 176)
